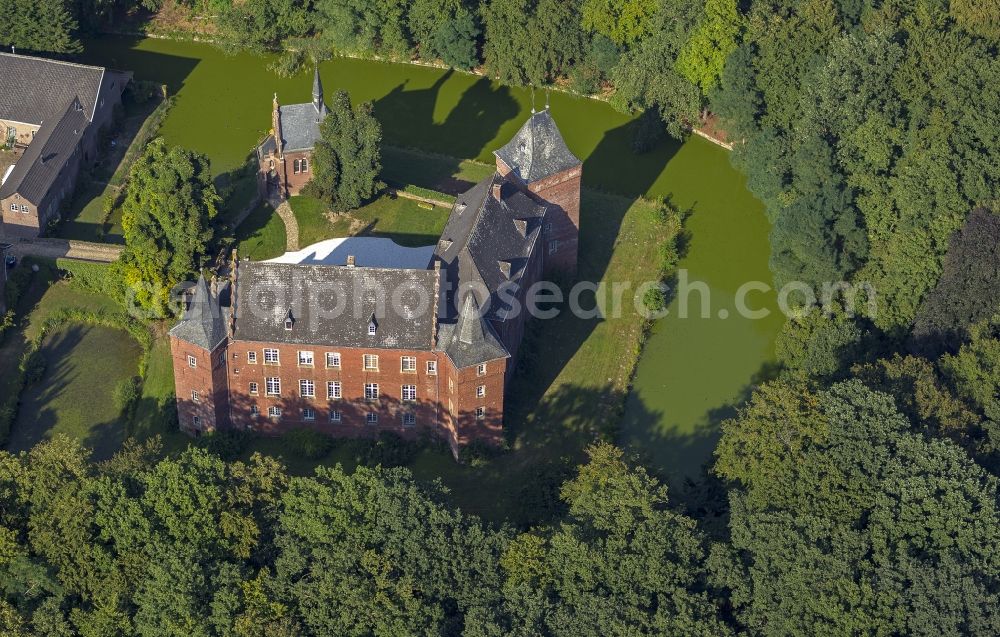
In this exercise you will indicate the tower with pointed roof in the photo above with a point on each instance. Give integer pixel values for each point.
(198, 348)
(538, 161)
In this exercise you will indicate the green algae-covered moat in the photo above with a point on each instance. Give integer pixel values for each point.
(693, 371)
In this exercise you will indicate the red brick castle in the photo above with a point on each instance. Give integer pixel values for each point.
(352, 350)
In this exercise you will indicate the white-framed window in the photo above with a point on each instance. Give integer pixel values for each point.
(305, 164)
(254, 410)
(196, 422)
(409, 392)
(192, 361)
(432, 368)
(252, 358)
(274, 411)
(253, 389)
(270, 356)
(195, 396)
(371, 362)
(288, 324)
(480, 391)
(481, 369)
(295, 166)
(333, 360)
(371, 418)
(408, 363)
(24, 208)
(306, 358)
(409, 419)
(480, 413)
(336, 416)
(13, 207)
(272, 385)
(333, 391)
(372, 328)
(451, 384)
(307, 388)
(371, 391)
(308, 413)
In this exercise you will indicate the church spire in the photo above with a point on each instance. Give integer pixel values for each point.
(318, 103)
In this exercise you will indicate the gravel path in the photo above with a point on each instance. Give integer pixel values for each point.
(291, 225)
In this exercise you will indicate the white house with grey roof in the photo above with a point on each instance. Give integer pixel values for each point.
(53, 111)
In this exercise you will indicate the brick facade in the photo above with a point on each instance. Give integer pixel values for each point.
(201, 387)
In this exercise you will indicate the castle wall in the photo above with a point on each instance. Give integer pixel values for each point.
(208, 378)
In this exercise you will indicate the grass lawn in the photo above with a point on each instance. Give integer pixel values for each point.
(399, 219)
(262, 235)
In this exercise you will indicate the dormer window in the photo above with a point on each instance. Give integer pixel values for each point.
(289, 321)
(372, 326)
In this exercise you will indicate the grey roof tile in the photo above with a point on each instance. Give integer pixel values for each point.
(300, 126)
(537, 150)
(334, 304)
(33, 88)
(204, 321)
(471, 340)
(47, 154)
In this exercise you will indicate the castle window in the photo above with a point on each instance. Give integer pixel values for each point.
(371, 391)
(480, 391)
(372, 326)
(253, 389)
(13, 207)
(371, 418)
(295, 166)
(252, 358)
(254, 410)
(333, 360)
(371, 362)
(408, 363)
(480, 413)
(553, 247)
(333, 390)
(195, 397)
(335, 416)
(270, 357)
(306, 359)
(274, 412)
(308, 414)
(305, 164)
(432, 368)
(409, 392)
(409, 419)
(481, 369)
(288, 324)
(196, 422)
(192, 361)
(307, 389)
(273, 386)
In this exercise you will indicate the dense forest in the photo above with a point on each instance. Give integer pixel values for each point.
(855, 493)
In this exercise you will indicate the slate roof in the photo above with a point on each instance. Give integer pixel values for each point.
(33, 88)
(204, 321)
(471, 340)
(537, 150)
(334, 305)
(48, 152)
(489, 240)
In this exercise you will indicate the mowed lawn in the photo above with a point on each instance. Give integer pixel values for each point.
(396, 218)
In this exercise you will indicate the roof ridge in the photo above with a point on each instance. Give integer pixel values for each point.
(53, 61)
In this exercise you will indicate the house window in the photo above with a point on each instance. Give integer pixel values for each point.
(480, 391)
(480, 413)
(252, 358)
(553, 247)
(372, 328)
(24, 208)
(192, 361)
(409, 392)
(270, 357)
(371, 418)
(408, 363)
(432, 368)
(409, 419)
(222, 358)
(274, 412)
(195, 397)
(336, 416)
(253, 389)
(371, 362)
(254, 410)
(288, 324)
(307, 389)
(306, 359)
(333, 360)
(13, 207)
(196, 422)
(451, 384)
(371, 391)
(273, 386)
(295, 166)
(481, 369)
(305, 164)
(308, 413)
(333, 390)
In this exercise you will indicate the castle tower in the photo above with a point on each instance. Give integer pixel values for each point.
(198, 348)
(317, 96)
(538, 160)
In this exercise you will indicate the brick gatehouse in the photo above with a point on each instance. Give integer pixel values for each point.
(353, 350)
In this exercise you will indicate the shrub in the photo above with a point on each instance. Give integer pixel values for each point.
(654, 299)
(18, 281)
(288, 63)
(126, 393)
(308, 443)
(228, 444)
(95, 277)
(7, 413)
(32, 366)
(389, 450)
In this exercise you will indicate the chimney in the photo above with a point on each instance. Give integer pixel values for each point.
(496, 191)
(350, 260)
